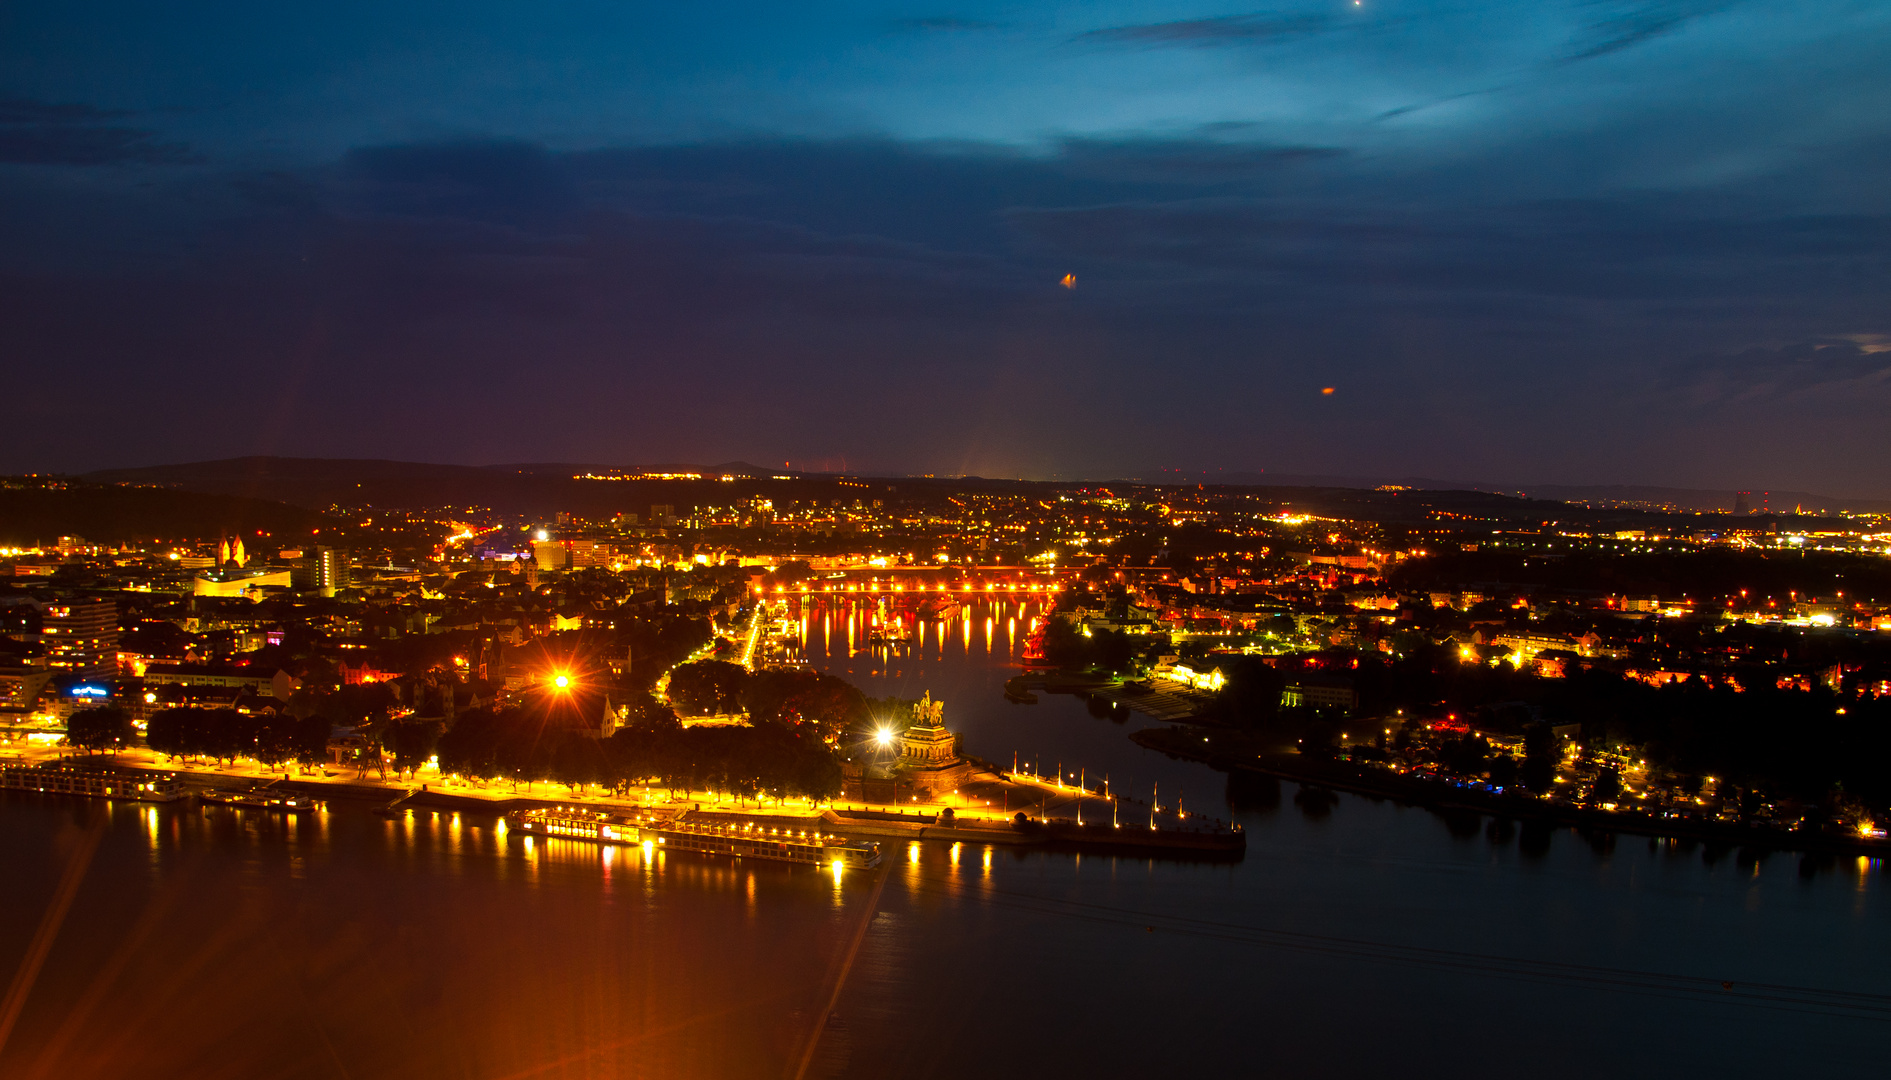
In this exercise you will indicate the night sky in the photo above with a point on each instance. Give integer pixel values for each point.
(1573, 241)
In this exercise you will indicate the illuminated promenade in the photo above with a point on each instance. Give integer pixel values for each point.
(1038, 812)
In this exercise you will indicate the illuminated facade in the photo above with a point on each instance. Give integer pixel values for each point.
(20, 687)
(1321, 693)
(234, 583)
(81, 637)
(330, 570)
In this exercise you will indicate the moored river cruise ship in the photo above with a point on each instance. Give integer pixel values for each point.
(743, 840)
(96, 781)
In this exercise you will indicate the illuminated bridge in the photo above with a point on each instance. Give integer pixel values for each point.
(954, 581)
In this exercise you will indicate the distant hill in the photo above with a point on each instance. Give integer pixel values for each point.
(321, 483)
(537, 489)
(541, 490)
(112, 515)
(569, 468)
(1632, 496)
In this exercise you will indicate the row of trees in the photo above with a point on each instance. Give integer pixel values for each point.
(520, 745)
(225, 735)
(102, 730)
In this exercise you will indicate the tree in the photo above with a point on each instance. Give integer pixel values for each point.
(412, 742)
(577, 761)
(352, 706)
(1064, 644)
(164, 733)
(1539, 757)
(1112, 650)
(310, 740)
(1503, 770)
(1251, 695)
(707, 687)
(106, 728)
(225, 734)
(1608, 785)
(643, 710)
(1467, 755)
(471, 746)
(831, 704)
(274, 739)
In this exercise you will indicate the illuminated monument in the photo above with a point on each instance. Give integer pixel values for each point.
(927, 744)
(929, 754)
(927, 768)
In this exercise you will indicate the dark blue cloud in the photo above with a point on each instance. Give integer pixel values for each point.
(409, 295)
(1624, 25)
(944, 24)
(609, 233)
(61, 133)
(1772, 373)
(1250, 29)
(500, 181)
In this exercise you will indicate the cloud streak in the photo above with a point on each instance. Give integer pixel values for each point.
(944, 24)
(1775, 373)
(1253, 29)
(49, 133)
(1638, 22)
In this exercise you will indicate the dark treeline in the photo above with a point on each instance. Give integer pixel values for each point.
(225, 735)
(525, 746)
(100, 730)
(1813, 746)
(1102, 650)
(709, 687)
(1705, 574)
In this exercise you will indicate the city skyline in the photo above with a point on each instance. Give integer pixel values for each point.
(1591, 243)
(898, 538)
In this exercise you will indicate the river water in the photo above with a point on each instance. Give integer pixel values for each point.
(1357, 938)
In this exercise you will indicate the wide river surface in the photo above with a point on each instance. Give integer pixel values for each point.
(1356, 938)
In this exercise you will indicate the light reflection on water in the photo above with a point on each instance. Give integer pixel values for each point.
(348, 944)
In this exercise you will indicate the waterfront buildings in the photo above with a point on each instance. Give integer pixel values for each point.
(1116, 584)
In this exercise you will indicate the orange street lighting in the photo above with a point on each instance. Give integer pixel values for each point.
(561, 681)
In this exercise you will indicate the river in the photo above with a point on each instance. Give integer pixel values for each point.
(1356, 938)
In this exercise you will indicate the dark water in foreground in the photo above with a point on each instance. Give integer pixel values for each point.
(216, 943)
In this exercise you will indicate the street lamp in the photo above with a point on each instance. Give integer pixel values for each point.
(562, 681)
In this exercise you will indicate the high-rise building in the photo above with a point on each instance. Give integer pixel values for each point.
(550, 554)
(1741, 500)
(81, 637)
(324, 568)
